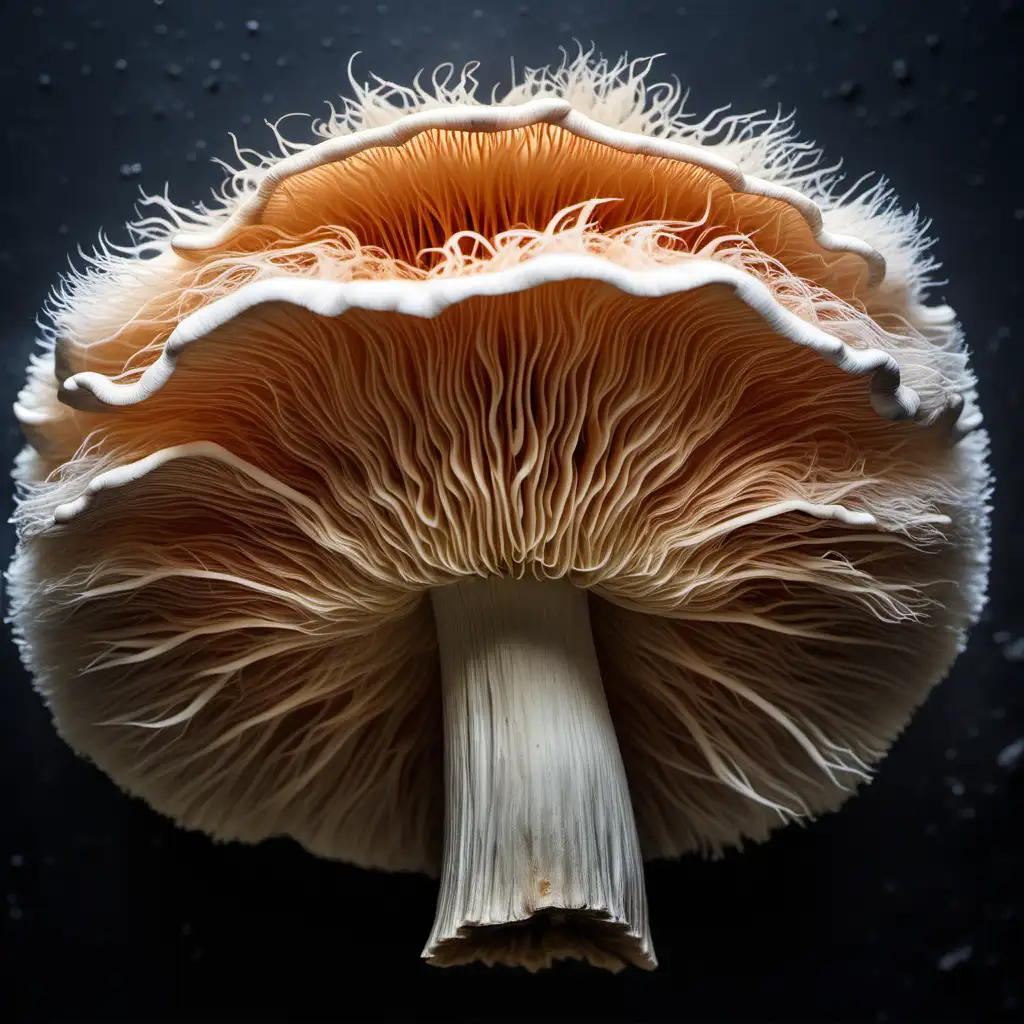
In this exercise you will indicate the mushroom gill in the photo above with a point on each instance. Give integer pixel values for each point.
(504, 494)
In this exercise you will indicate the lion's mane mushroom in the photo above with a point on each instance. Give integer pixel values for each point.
(480, 457)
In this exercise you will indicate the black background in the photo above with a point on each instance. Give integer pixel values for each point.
(112, 914)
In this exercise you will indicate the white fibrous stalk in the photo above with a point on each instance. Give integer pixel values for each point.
(541, 855)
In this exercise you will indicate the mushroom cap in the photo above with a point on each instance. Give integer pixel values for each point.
(568, 333)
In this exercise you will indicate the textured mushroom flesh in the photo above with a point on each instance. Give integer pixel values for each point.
(405, 199)
(632, 443)
(441, 182)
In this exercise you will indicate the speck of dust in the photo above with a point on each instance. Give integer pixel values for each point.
(955, 958)
(1009, 757)
(1012, 648)
(956, 787)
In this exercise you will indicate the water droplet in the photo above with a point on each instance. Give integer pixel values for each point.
(252, 26)
(174, 71)
(901, 71)
(17, 860)
(45, 81)
(121, 65)
(933, 41)
(832, 16)
(847, 90)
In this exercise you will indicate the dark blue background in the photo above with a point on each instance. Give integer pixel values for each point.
(112, 914)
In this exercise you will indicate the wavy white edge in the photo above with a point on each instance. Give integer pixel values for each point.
(428, 298)
(28, 417)
(491, 118)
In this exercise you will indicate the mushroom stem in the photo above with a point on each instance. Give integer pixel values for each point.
(541, 854)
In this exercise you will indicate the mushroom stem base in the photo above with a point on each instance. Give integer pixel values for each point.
(541, 856)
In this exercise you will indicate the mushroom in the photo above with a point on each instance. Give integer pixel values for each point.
(510, 490)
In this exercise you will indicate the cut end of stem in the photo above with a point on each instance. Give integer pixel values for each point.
(544, 937)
